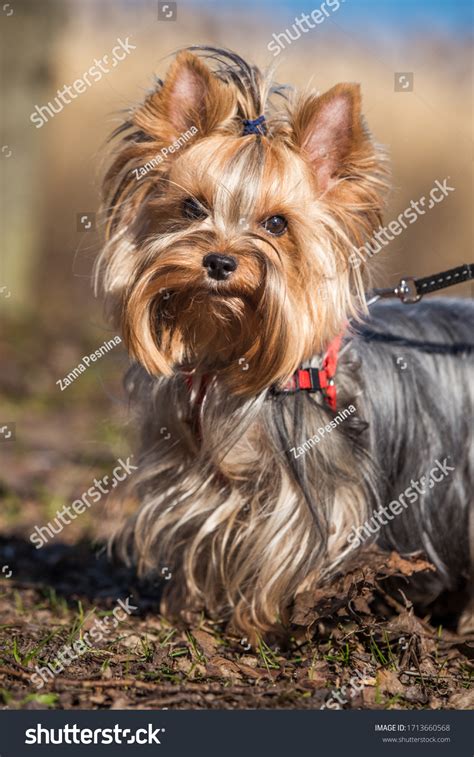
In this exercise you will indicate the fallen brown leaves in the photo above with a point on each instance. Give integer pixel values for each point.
(354, 589)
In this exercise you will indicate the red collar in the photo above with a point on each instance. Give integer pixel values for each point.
(317, 379)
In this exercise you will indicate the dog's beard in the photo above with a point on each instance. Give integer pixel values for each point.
(249, 331)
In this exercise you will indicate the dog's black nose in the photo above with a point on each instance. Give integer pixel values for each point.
(219, 267)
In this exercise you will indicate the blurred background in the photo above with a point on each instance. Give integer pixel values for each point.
(413, 59)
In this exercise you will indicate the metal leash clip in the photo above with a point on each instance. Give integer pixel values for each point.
(407, 291)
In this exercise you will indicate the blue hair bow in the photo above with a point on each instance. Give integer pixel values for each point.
(255, 126)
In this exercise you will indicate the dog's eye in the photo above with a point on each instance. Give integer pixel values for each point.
(275, 225)
(193, 209)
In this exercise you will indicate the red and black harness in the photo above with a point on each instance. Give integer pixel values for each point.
(317, 379)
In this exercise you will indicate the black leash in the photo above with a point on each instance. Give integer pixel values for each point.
(411, 290)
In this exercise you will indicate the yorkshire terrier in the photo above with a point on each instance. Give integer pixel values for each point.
(233, 207)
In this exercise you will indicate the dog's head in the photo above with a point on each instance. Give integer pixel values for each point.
(228, 249)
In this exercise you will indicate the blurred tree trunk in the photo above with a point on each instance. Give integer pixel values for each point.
(29, 30)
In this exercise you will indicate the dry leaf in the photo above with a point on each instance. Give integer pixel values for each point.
(207, 643)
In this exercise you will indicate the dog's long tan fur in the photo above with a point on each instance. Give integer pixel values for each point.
(218, 503)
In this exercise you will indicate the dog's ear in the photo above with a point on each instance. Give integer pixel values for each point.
(329, 130)
(191, 95)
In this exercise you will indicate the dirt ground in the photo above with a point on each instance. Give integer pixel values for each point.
(351, 645)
